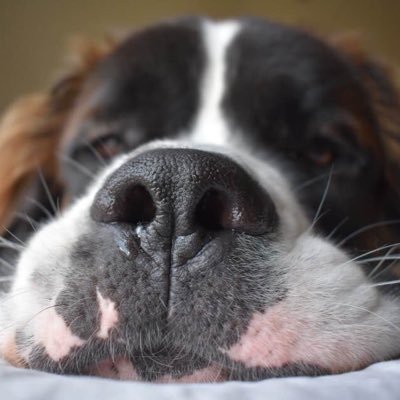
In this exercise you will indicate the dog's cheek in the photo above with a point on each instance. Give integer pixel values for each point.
(271, 340)
(278, 338)
(54, 335)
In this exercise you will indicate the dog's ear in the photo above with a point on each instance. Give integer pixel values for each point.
(30, 132)
(379, 81)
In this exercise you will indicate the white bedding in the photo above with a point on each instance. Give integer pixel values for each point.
(379, 381)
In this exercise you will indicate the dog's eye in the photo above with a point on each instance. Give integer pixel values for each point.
(321, 152)
(108, 146)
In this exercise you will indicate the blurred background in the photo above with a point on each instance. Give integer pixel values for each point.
(34, 34)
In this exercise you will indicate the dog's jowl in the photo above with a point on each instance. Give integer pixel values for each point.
(203, 201)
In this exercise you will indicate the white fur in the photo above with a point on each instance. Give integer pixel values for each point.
(210, 125)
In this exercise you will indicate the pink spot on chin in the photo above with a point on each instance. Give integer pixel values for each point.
(108, 316)
(54, 334)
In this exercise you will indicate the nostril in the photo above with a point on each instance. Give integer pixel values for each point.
(131, 204)
(137, 206)
(249, 211)
(214, 210)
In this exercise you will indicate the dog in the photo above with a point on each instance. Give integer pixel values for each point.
(203, 201)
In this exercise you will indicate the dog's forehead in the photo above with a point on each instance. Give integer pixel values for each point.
(155, 70)
(159, 80)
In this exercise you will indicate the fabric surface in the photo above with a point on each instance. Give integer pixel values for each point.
(378, 382)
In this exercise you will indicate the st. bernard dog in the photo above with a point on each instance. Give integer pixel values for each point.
(203, 201)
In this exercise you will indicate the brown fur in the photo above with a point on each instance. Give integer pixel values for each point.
(379, 80)
(30, 130)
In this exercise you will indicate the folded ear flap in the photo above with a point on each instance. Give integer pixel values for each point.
(30, 133)
(379, 82)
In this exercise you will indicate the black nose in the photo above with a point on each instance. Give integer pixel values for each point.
(183, 191)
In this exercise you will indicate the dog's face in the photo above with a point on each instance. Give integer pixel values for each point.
(219, 184)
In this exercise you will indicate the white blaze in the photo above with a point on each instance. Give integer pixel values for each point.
(210, 126)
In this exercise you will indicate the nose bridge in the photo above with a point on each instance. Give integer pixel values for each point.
(179, 178)
(176, 179)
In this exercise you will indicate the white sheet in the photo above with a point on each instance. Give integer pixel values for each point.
(377, 382)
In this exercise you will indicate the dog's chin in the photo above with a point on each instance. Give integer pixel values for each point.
(156, 369)
(122, 369)
(162, 364)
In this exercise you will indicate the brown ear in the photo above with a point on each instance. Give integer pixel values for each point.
(379, 82)
(31, 129)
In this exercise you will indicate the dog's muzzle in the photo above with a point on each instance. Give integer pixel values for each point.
(161, 264)
(184, 198)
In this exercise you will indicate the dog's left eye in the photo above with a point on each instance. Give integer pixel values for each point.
(108, 146)
(335, 142)
(321, 152)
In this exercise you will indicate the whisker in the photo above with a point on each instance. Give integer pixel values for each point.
(7, 264)
(310, 228)
(321, 203)
(383, 270)
(385, 258)
(309, 182)
(80, 167)
(15, 294)
(367, 227)
(13, 235)
(385, 283)
(48, 193)
(30, 319)
(4, 243)
(98, 156)
(41, 207)
(388, 253)
(338, 226)
(25, 217)
(372, 313)
(387, 246)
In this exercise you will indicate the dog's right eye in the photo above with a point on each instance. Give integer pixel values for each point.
(108, 146)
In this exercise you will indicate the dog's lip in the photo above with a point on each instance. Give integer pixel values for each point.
(97, 361)
(119, 368)
(122, 368)
(95, 358)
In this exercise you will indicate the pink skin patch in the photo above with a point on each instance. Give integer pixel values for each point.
(270, 340)
(108, 316)
(56, 337)
(276, 338)
(118, 369)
